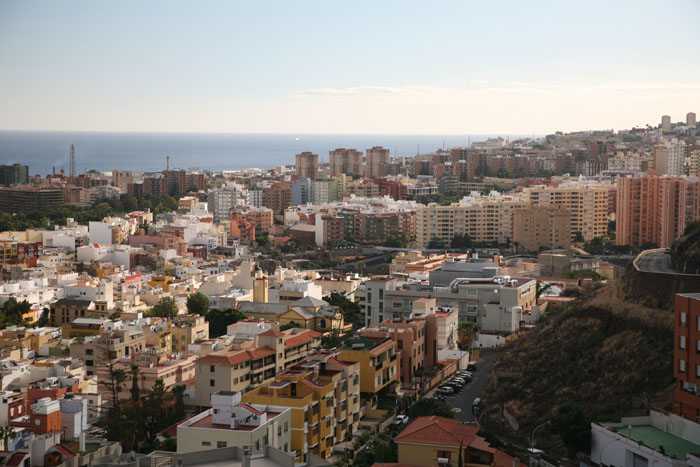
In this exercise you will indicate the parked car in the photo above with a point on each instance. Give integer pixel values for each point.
(446, 390)
(461, 381)
(465, 373)
(455, 386)
(400, 420)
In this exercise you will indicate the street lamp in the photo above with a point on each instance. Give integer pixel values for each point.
(478, 420)
(600, 456)
(532, 435)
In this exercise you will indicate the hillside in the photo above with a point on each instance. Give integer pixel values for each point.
(685, 251)
(609, 357)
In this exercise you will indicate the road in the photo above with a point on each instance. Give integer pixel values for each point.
(464, 398)
(656, 262)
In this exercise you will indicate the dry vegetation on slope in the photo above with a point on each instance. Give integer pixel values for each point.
(605, 355)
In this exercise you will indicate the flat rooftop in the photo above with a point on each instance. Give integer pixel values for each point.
(676, 447)
(208, 422)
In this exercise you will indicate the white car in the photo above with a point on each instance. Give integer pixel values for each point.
(445, 390)
(401, 420)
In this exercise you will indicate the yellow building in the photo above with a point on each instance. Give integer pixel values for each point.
(323, 395)
(8, 250)
(428, 439)
(307, 312)
(378, 362)
(161, 281)
(588, 205)
(81, 327)
(186, 329)
(484, 219)
(542, 227)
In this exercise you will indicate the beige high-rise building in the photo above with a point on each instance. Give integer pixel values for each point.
(345, 161)
(694, 169)
(306, 165)
(669, 158)
(587, 203)
(484, 220)
(377, 158)
(122, 178)
(690, 120)
(541, 227)
(666, 123)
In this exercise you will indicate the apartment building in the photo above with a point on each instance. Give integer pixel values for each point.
(306, 165)
(484, 219)
(686, 356)
(25, 198)
(95, 352)
(495, 304)
(186, 330)
(270, 353)
(541, 227)
(323, 393)
(15, 174)
(221, 202)
(411, 340)
(587, 204)
(345, 161)
(230, 422)
(173, 369)
(378, 359)
(67, 310)
(247, 224)
(655, 209)
(669, 158)
(377, 159)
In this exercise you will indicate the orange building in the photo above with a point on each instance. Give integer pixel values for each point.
(654, 209)
(686, 355)
(251, 223)
(45, 416)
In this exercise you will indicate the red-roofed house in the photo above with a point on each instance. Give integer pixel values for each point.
(246, 368)
(427, 439)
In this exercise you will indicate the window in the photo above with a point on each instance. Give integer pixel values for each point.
(286, 447)
(279, 430)
(37, 422)
(682, 343)
(211, 382)
(88, 351)
(681, 366)
(682, 318)
(257, 445)
(206, 443)
(444, 454)
(212, 368)
(89, 362)
(697, 370)
(221, 444)
(286, 427)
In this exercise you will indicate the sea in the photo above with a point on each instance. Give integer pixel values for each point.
(145, 152)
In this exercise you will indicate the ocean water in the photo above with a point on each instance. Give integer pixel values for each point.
(42, 151)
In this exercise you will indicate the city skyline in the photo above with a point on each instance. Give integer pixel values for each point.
(457, 68)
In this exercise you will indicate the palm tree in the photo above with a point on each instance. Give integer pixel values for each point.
(135, 390)
(179, 395)
(7, 433)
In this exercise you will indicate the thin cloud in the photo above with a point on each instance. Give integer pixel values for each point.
(366, 91)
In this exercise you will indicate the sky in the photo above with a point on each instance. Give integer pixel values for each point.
(443, 67)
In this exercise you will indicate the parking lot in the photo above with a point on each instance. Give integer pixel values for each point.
(462, 401)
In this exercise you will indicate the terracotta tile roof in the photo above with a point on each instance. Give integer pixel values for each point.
(437, 430)
(272, 332)
(250, 409)
(301, 338)
(448, 432)
(235, 357)
(16, 459)
(64, 450)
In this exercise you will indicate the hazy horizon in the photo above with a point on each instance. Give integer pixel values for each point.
(327, 68)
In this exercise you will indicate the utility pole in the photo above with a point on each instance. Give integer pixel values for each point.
(72, 161)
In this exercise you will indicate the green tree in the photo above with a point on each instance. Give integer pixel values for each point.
(352, 312)
(219, 320)
(135, 390)
(466, 333)
(578, 236)
(461, 242)
(7, 433)
(165, 308)
(44, 319)
(198, 303)
(425, 407)
(573, 427)
(436, 244)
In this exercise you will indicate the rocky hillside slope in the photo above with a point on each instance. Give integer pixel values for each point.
(606, 355)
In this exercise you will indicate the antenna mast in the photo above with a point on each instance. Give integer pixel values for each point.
(72, 161)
